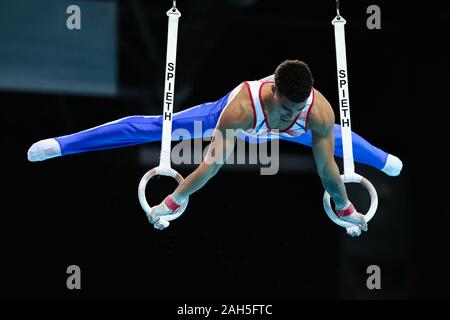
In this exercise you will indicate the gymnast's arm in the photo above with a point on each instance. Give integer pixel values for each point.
(237, 115)
(321, 122)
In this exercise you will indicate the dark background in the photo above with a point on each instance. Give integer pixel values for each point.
(244, 235)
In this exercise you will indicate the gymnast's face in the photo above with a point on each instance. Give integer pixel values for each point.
(287, 110)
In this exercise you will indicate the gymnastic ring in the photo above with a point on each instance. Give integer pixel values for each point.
(352, 178)
(160, 171)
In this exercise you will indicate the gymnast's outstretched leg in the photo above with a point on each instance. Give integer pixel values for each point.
(363, 151)
(128, 131)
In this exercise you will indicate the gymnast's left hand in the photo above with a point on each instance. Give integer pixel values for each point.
(349, 214)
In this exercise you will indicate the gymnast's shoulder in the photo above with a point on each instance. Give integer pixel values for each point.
(238, 113)
(321, 117)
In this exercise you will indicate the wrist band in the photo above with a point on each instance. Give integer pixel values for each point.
(346, 212)
(170, 203)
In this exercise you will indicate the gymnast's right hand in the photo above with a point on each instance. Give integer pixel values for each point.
(166, 207)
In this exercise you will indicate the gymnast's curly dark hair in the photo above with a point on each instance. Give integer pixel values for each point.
(294, 80)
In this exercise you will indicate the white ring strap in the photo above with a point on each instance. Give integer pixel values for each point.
(169, 86)
(164, 167)
(344, 101)
(347, 145)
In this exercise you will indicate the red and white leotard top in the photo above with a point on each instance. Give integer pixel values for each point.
(261, 128)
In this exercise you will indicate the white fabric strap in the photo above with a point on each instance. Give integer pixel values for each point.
(344, 101)
(344, 107)
(169, 87)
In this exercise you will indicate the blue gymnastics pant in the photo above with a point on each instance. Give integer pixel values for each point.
(135, 130)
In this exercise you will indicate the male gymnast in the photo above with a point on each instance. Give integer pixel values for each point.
(282, 106)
